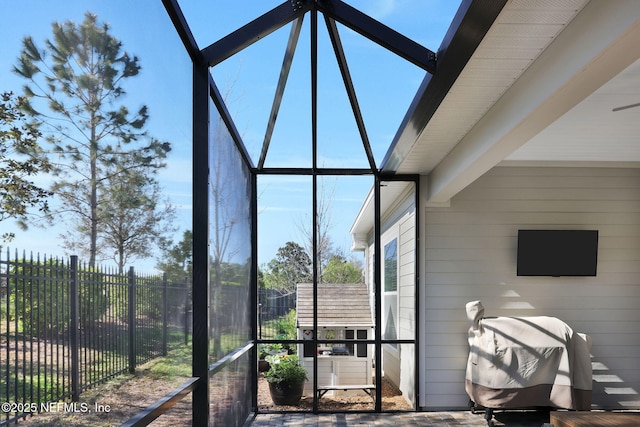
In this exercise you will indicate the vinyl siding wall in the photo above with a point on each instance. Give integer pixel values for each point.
(406, 304)
(470, 254)
(399, 222)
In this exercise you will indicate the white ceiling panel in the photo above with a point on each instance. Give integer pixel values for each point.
(522, 31)
(592, 132)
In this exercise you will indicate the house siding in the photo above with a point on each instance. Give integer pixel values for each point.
(399, 222)
(406, 304)
(470, 254)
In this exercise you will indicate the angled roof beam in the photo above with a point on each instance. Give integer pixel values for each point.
(282, 82)
(253, 31)
(379, 33)
(182, 28)
(348, 83)
(218, 100)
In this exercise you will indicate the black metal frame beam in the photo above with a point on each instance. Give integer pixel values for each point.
(317, 171)
(254, 283)
(379, 33)
(282, 82)
(200, 340)
(415, 179)
(205, 90)
(182, 28)
(377, 286)
(332, 28)
(218, 100)
(314, 180)
(253, 31)
(161, 406)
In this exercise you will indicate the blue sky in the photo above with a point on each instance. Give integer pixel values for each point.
(384, 83)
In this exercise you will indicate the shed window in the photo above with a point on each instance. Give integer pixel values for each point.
(358, 350)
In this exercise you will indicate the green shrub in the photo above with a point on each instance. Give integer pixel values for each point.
(285, 369)
(286, 326)
(39, 295)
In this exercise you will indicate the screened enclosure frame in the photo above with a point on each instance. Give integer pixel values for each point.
(205, 93)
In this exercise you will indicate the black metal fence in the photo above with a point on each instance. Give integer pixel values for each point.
(65, 327)
(276, 314)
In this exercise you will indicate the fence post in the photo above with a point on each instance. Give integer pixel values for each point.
(132, 320)
(165, 315)
(186, 311)
(74, 328)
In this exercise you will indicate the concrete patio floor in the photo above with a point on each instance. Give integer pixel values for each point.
(443, 419)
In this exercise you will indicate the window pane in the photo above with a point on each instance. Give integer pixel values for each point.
(390, 298)
(390, 304)
(391, 266)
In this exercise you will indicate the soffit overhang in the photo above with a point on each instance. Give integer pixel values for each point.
(537, 61)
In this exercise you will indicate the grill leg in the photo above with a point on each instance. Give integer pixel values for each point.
(488, 415)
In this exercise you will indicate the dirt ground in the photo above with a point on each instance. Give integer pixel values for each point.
(114, 402)
(392, 400)
(118, 400)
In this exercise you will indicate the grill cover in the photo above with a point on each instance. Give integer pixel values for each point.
(524, 362)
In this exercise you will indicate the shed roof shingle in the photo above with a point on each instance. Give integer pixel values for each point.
(339, 305)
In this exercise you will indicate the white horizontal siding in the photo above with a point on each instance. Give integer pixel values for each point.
(470, 254)
(399, 222)
(338, 370)
(406, 304)
(406, 280)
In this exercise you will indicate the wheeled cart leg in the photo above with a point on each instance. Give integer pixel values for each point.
(488, 415)
(488, 412)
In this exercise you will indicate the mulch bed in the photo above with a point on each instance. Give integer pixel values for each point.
(392, 400)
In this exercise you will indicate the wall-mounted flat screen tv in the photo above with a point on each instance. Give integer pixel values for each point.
(557, 252)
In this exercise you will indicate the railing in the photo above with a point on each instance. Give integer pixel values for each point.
(65, 327)
(161, 406)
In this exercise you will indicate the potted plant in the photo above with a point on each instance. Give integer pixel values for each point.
(286, 377)
(265, 350)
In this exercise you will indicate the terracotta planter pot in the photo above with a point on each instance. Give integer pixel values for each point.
(283, 394)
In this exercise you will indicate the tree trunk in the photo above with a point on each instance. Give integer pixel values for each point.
(94, 194)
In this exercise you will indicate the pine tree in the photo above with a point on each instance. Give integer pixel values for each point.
(133, 216)
(75, 89)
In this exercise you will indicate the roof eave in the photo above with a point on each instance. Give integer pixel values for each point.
(471, 23)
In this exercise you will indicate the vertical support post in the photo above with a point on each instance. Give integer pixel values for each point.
(74, 327)
(186, 311)
(314, 222)
(377, 274)
(165, 314)
(200, 296)
(416, 286)
(132, 320)
(255, 316)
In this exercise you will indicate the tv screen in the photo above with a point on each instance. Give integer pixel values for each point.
(557, 252)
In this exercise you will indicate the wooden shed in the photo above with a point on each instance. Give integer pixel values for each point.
(344, 313)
